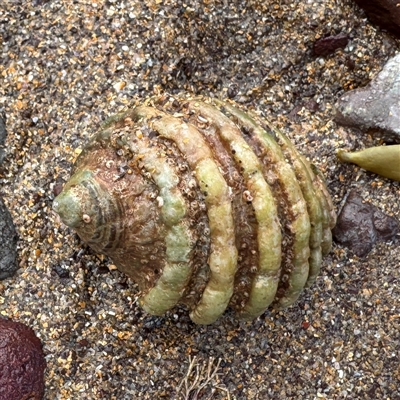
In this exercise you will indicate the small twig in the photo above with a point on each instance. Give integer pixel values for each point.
(198, 377)
(210, 374)
(224, 390)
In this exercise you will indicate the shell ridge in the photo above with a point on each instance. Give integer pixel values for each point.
(268, 230)
(313, 205)
(169, 286)
(244, 217)
(223, 252)
(287, 189)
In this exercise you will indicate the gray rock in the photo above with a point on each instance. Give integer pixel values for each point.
(3, 136)
(2, 155)
(8, 243)
(385, 13)
(375, 108)
(3, 131)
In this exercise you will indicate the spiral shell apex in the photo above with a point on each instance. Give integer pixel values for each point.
(201, 204)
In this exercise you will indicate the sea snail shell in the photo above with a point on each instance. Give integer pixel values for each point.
(202, 205)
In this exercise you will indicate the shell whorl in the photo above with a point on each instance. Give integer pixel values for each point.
(86, 206)
(202, 205)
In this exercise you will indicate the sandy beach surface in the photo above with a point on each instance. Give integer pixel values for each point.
(64, 67)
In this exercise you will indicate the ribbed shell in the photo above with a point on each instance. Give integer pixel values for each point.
(203, 205)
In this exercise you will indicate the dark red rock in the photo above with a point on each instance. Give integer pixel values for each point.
(385, 13)
(328, 45)
(22, 362)
(310, 105)
(294, 114)
(57, 189)
(386, 227)
(360, 225)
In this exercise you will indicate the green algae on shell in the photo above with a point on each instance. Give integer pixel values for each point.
(382, 160)
(201, 204)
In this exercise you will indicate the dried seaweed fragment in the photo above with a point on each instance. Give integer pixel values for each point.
(382, 160)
